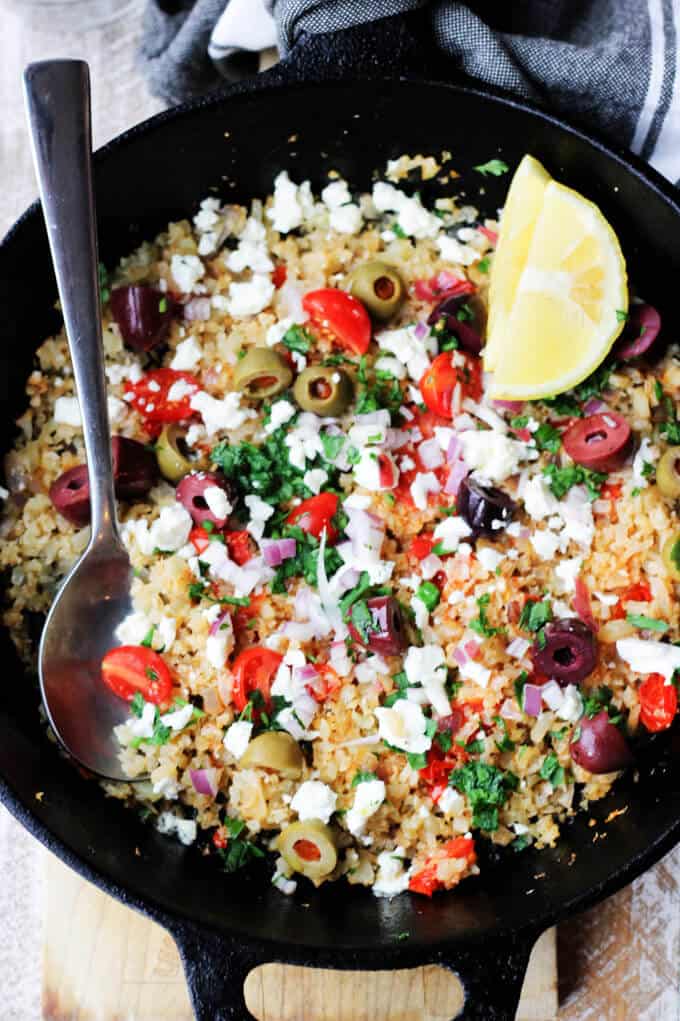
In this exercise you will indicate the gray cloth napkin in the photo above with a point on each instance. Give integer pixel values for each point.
(613, 64)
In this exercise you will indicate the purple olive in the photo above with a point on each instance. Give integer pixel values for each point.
(639, 333)
(486, 509)
(190, 493)
(134, 473)
(600, 746)
(385, 634)
(143, 315)
(464, 317)
(567, 651)
(601, 442)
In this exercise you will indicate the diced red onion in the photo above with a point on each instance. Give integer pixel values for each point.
(492, 235)
(298, 631)
(197, 308)
(456, 476)
(472, 648)
(453, 449)
(552, 695)
(365, 530)
(447, 281)
(582, 605)
(275, 551)
(514, 407)
(509, 710)
(430, 454)
(518, 648)
(212, 703)
(345, 580)
(460, 656)
(532, 699)
(217, 624)
(225, 684)
(594, 406)
(421, 331)
(306, 673)
(205, 781)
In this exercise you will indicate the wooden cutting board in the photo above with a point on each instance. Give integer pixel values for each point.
(105, 962)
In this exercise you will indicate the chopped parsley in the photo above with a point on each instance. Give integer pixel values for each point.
(362, 619)
(519, 685)
(196, 590)
(505, 744)
(444, 739)
(428, 593)
(398, 231)
(305, 562)
(670, 427)
(570, 403)
(363, 777)
(239, 850)
(646, 623)
(621, 316)
(163, 305)
(148, 638)
(332, 445)
(494, 167)
(480, 624)
(674, 553)
(597, 699)
(547, 437)
(535, 615)
(417, 760)
(484, 264)
(297, 339)
(562, 479)
(265, 470)
(235, 601)
(552, 771)
(486, 787)
(380, 391)
(519, 422)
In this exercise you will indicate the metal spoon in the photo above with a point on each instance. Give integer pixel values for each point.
(95, 596)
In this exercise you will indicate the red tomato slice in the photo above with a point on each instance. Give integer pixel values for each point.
(315, 514)
(132, 668)
(239, 545)
(254, 669)
(444, 385)
(326, 683)
(426, 881)
(150, 396)
(638, 593)
(421, 546)
(199, 539)
(343, 315)
(658, 703)
(279, 275)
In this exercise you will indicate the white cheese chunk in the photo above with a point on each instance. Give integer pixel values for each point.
(648, 656)
(224, 415)
(423, 484)
(369, 796)
(178, 718)
(188, 354)
(314, 800)
(427, 666)
(451, 802)
(170, 531)
(237, 738)
(218, 502)
(281, 412)
(449, 533)
(251, 296)
(392, 878)
(170, 825)
(186, 270)
(404, 726)
(491, 454)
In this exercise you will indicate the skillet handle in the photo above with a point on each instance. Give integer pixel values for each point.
(216, 968)
(492, 977)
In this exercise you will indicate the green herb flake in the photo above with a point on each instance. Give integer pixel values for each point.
(163, 305)
(148, 637)
(621, 316)
(137, 704)
(494, 167)
(417, 760)
(239, 850)
(480, 624)
(363, 777)
(646, 623)
(484, 264)
(428, 593)
(552, 771)
(547, 437)
(519, 685)
(535, 615)
(297, 339)
(561, 480)
(486, 787)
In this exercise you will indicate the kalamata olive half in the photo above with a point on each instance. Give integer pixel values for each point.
(464, 317)
(601, 442)
(641, 330)
(385, 632)
(600, 746)
(191, 493)
(566, 651)
(486, 509)
(143, 315)
(134, 473)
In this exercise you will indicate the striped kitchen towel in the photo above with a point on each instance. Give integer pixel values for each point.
(610, 64)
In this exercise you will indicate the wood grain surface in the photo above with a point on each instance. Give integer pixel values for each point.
(618, 962)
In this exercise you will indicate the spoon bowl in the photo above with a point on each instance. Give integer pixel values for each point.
(95, 597)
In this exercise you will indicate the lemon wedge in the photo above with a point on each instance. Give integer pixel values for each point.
(564, 303)
(522, 206)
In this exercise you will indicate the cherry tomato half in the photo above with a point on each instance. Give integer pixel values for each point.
(199, 539)
(640, 592)
(315, 514)
(254, 669)
(658, 703)
(150, 395)
(343, 315)
(426, 881)
(132, 668)
(444, 385)
(240, 547)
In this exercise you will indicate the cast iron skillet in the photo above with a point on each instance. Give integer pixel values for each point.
(351, 116)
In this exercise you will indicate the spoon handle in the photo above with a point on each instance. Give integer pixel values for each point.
(57, 94)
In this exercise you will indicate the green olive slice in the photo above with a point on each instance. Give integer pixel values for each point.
(172, 453)
(378, 286)
(670, 554)
(275, 750)
(262, 373)
(325, 390)
(309, 848)
(668, 473)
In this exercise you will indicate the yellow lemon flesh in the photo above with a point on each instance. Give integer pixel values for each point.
(563, 304)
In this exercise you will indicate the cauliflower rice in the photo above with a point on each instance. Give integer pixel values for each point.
(407, 759)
